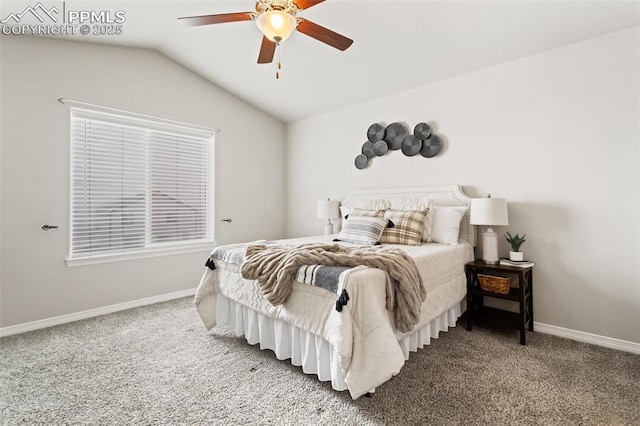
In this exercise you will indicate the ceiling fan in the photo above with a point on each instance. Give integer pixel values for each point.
(277, 20)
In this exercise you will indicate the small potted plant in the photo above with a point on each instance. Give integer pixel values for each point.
(515, 241)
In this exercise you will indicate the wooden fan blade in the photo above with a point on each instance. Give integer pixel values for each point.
(324, 35)
(193, 21)
(267, 50)
(306, 4)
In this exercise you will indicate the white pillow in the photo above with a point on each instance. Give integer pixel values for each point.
(407, 204)
(445, 225)
(345, 211)
(372, 205)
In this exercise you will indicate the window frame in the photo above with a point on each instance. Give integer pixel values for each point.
(147, 123)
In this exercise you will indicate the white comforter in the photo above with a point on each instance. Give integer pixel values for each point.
(363, 333)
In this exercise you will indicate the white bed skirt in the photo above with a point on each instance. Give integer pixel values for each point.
(314, 354)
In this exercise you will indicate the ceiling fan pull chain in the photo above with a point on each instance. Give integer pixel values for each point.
(279, 65)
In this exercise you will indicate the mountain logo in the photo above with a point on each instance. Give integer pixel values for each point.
(38, 11)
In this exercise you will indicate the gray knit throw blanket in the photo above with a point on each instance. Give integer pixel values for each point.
(274, 267)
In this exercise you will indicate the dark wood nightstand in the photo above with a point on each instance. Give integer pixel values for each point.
(523, 294)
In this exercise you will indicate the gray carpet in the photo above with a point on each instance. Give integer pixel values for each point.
(157, 365)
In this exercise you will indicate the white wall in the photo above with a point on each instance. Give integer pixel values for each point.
(556, 134)
(35, 281)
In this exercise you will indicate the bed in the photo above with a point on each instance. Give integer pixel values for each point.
(357, 348)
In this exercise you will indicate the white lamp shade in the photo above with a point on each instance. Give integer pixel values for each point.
(276, 25)
(328, 209)
(489, 211)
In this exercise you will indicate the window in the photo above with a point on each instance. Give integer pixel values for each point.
(138, 185)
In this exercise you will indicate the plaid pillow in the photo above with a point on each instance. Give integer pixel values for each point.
(407, 204)
(407, 227)
(362, 230)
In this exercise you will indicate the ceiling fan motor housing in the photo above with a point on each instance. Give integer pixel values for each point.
(285, 5)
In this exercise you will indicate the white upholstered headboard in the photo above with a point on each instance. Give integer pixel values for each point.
(448, 195)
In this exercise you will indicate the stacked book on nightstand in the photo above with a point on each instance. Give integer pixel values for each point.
(517, 263)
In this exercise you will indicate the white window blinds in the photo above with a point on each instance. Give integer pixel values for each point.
(138, 184)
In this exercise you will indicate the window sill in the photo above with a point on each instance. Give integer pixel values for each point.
(108, 258)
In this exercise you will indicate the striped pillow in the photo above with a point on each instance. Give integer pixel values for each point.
(407, 227)
(362, 230)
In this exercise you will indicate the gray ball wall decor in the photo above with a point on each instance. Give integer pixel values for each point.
(411, 146)
(431, 147)
(422, 131)
(375, 132)
(367, 149)
(361, 161)
(395, 136)
(380, 148)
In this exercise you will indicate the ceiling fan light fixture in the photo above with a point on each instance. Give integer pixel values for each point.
(276, 25)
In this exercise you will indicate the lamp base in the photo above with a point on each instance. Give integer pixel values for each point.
(490, 247)
(328, 228)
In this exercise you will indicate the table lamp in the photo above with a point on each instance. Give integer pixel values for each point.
(490, 212)
(328, 209)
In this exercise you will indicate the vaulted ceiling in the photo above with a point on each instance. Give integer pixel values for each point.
(398, 45)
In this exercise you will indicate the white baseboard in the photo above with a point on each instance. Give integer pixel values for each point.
(63, 319)
(581, 336)
(594, 339)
